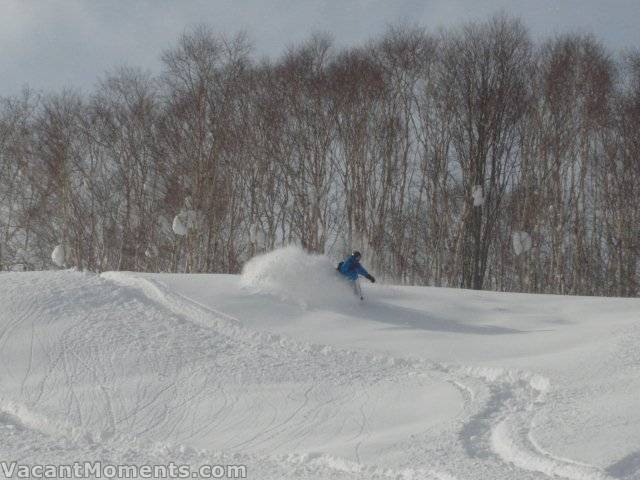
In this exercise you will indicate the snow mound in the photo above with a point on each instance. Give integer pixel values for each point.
(521, 242)
(58, 256)
(478, 197)
(179, 225)
(186, 220)
(294, 275)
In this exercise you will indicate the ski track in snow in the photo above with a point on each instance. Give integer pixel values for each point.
(119, 367)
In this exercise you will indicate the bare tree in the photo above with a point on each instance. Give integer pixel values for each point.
(487, 65)
(470, 158)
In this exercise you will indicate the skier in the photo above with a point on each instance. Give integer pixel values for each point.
(351, 268)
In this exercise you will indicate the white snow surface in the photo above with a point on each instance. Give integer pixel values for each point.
(414, 383)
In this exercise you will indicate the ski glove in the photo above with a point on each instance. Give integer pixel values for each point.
(370, 277)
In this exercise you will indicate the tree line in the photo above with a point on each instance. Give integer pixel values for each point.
(472, 157)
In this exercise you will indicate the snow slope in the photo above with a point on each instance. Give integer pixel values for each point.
(414, 383)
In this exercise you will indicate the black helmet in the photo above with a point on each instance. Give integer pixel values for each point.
(357, 254)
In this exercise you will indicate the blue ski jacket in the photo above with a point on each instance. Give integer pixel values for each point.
(351, 268)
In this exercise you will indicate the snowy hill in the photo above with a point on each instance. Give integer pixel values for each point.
(296, 379)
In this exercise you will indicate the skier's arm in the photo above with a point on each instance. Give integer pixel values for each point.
(362, 271)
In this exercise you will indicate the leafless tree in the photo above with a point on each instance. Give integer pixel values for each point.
(472, 157)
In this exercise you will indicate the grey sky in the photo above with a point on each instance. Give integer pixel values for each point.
(50, 44)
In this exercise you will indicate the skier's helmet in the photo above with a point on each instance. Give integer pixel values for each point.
(357, 254)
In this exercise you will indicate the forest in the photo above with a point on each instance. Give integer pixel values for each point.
(473, 157)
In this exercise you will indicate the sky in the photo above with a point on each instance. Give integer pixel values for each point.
(53, 44)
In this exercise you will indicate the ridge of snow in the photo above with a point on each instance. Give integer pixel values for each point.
(529, 387)
(123, 359)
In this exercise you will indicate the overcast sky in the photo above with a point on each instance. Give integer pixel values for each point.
(49, 44)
